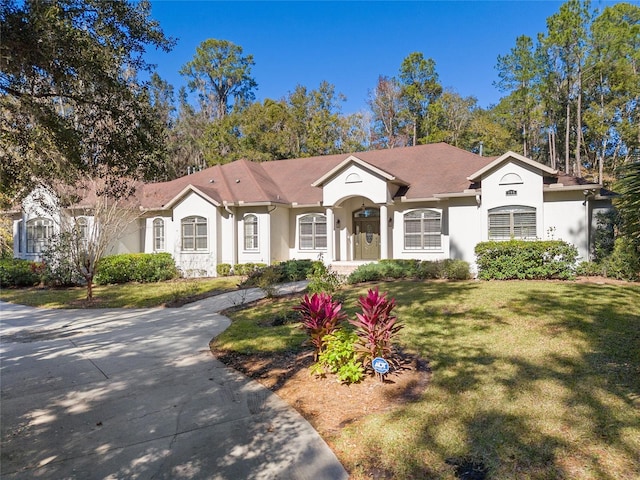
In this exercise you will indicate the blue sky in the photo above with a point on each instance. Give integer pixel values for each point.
(350, 44)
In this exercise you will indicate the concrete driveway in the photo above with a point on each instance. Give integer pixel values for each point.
(136, 394)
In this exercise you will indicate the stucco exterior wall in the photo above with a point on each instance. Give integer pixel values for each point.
(357, 182)
(196, 263)
(261, 254)
(227, 237)
(397, 234)
(295, 252)
(130, 241)
(280, 234)
(465, 229)
(528, 193)
(566, 218)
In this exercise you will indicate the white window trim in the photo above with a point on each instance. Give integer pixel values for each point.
(512, 211)
(314, 234)
(421, 234)
(163, 238)
(47, 226)
(254, 245)
(195, 235)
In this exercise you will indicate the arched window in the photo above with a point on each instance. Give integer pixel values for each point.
(250, 232)
(511, 179)
(82, 227)
(158, 234)
(313, 232)
(194, 234)
(513, 221)
(39, 234)
(423, 230)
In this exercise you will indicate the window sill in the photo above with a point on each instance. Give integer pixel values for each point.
(420, 250)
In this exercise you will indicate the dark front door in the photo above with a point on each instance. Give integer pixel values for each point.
(366, 226)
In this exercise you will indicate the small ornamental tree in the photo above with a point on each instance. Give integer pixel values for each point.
(375, 326)
(320, 315)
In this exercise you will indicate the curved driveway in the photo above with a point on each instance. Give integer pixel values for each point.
(136, 394)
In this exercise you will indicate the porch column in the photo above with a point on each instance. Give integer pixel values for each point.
(331, 234)
(384, 232)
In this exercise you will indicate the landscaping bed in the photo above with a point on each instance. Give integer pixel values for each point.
(325, 402)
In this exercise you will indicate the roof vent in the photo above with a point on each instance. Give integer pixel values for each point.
(211, 181)
(237, 180)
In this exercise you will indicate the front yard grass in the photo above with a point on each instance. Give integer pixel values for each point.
(530, 380)
(138, 295)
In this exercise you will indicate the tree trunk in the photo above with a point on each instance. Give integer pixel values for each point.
(415, 130)
(579, 125)
(567, 139)
(89, 280)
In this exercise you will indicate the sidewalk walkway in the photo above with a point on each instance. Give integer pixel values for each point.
(136, 394)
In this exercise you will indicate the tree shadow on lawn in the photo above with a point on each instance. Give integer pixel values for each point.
(563, 415)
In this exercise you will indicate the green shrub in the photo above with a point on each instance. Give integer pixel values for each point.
(520, 259)
(15, 272)
(289, 271)
(590, 269)
(339, 357)
(296, 270)
(223, 269)
(400, 268)
(369, 272)
(245, 269)
(624, 262)
(136, 267)
(604, 236)
(321, 279)
(456, 270)
(60, 270)
(403, 269)
(429, 270)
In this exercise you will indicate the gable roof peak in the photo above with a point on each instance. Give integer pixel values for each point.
(510, 155)
(352, 159)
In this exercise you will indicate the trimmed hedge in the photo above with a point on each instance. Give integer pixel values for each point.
(223, 269)
(522, 259)
(136, 267)
(288, 271)
(15, 272)
(245, 269)
(407, 269)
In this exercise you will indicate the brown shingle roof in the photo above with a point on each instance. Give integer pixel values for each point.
(430, 169)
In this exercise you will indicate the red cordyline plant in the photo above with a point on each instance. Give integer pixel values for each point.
(321, 315)
(375, 326)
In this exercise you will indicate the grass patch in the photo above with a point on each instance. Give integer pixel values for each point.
(130, 295)
(266, 328)
(531, 380)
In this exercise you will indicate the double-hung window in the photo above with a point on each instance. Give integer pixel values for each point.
(313, 232)
(251, 232)
(423, 230)
(512, 222)
(194, 234)
(39, 234)
(158, 235)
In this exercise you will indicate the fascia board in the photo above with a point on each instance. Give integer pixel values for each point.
(185, 191)
(510, 156)
(352, 159)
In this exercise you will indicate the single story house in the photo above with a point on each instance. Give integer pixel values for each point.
(427, 202)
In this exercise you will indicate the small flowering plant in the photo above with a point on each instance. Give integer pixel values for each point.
(320, 316)
(375, 326)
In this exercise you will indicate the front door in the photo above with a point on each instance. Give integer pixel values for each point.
(366, 227)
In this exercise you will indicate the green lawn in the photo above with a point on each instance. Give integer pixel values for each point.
(140, 295)
(530, 380)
